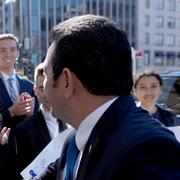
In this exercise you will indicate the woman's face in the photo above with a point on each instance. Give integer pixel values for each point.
(148, 90)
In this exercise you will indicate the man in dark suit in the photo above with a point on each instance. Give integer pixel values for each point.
(13, 110)
(33, 134)
(88, 83)
(17, 99)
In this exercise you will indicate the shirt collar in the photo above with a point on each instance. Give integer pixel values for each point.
(5, 76)
(87, 125)
(48, 116)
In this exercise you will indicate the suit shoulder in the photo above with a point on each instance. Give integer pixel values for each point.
(140, 126)
(27, 81)
(29, 121)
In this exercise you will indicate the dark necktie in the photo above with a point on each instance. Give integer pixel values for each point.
(72, 154)
(12, 91)
(61, 125)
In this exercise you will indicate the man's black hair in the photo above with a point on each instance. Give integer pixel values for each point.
(97, 51)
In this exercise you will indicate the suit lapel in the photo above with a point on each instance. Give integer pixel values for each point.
(20, 84)
(89, 150)
(4, 94)
(62, 159)
(107, 120)
(42, 128)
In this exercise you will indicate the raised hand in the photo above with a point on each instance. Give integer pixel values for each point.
(4, 135)
(24, 105)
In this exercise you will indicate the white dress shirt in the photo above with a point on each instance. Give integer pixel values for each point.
(85, 129)
(51, 122)
(14, 83)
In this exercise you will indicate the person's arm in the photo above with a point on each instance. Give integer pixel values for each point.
(22, 107)
(5, 114)
(155, 158)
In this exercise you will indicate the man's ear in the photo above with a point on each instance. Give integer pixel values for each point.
(68, 82)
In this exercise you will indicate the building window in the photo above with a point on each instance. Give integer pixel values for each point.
(146, 38)
(178, 59)
(159, 61)
(159, 21)
(171, 22)
(178, 6)
(178, 40)
(159, 4)
(170, 61)
(146, 58)
(171, 5)
(147, 4)
(159, 58)
(158, 39)
(178, 23)
(146, 21)
(170, 40)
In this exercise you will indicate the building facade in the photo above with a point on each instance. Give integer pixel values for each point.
(32, 20)
(158, 37)
(153, 27)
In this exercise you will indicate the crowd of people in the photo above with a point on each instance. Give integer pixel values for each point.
(86, 81)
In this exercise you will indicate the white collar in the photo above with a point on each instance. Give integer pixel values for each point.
(5, 76)
(48, 116)
(87, 125)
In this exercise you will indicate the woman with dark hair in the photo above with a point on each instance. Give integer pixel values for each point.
(147, 89)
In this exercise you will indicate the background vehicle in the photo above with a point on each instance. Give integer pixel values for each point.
(171, 90)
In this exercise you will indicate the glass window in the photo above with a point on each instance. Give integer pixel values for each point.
(159, 60)
(50, 13)
(146, 38)
(80, 7)
(159, 4)
(158, 39)
(34, 16)
(178, 23)
(178, 5)
(101, 9)
(171, 22)
(171, 88)
(147, 4)
(170, 61)
(159, 21)
(171, 5)
(178, 61)
(170, 40)
(170, 58)
(26, 22)
(178, 41)
(114, 12)
(147, 58)
(73, 9)
(58, 11)
(146, 20)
